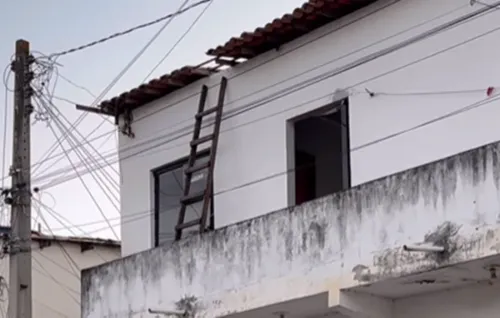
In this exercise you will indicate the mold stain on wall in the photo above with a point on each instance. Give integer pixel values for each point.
(300, 238)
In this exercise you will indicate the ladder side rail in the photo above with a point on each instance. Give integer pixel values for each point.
(210, 175)
(191, 161)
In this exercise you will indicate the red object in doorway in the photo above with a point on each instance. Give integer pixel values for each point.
(305, 177)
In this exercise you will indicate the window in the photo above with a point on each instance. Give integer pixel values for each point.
(169, 188)
(319, 153)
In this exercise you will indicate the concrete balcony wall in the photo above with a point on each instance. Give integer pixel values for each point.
(340, 241)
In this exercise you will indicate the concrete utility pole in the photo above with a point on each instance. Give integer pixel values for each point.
(20, 238)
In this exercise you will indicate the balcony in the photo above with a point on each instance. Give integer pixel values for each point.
(323, 257)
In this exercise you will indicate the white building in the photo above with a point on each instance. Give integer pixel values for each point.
(396, 104)
(56, 265)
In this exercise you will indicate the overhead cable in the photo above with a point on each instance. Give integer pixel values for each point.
(156, 145)
(210, 2)
(312, 40)
(73, 265)
(58, 217)
(263, 101)
(126, 68)
(125, 32)
(316, 79)
(309, 70)
(133, 217)
(84, 184)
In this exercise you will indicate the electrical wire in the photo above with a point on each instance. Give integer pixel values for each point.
(4, 139)
(335, 59)
(472, 2)
(158, 64)
(89, 155)
(305, 83)
(312, 40)
(80, 119)
(3, 215)
(195, 21)
(94, 200)
(249, 107)
(51, 110)
(59, 218)
(164, 57)
(81, 87)
(83, 143)
(181, 38)
(50, 308)
(41, 89)
(73, 265)
(142, 214)
(54, 56)
(39, 253)
(155, 145)
(118, 34)
(47, 274)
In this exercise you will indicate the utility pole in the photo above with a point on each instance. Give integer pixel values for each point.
(20, 302)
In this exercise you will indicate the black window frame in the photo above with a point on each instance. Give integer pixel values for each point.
(157, 172)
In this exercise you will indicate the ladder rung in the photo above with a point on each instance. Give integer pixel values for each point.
(201, 140)
(193, 198)
(206, 112)
(197, 168)
(188, 224)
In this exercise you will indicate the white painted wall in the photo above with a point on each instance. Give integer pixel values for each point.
(56, 281)
(252, 145)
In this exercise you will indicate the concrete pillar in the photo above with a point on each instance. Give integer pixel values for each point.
(358, 305)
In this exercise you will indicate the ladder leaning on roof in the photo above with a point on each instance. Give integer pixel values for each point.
(206, 194)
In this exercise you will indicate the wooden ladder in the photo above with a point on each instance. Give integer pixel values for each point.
(192, 166)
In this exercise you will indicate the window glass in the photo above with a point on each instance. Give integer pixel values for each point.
(170, 185)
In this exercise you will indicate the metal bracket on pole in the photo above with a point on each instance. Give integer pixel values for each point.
(93, 110)
(126, 129)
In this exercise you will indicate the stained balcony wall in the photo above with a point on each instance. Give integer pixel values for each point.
(317, 247)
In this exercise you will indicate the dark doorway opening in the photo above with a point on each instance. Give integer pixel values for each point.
(321, 152)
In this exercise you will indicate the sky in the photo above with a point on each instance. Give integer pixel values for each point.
(56, 25)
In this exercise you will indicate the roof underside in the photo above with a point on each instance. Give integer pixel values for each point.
(38, 236)
(310, 16)
(155, 89)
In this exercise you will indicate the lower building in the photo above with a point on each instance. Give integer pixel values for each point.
(57, 262)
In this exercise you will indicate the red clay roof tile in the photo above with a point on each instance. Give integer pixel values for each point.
(155, 89)
(310, 16)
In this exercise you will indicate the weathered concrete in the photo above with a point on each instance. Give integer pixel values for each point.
(342, 240)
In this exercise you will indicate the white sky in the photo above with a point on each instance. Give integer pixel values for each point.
(55, 25)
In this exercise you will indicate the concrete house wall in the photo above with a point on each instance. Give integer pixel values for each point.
(56, 277)
(340, 252)
(415, 84)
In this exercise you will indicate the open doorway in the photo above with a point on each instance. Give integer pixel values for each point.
(319, 153)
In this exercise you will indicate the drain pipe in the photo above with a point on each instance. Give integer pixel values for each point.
(423, 248)
(172, 313)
